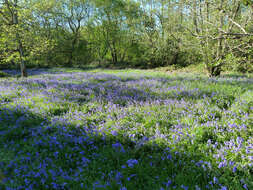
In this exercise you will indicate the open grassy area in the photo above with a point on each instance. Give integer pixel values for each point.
(126, 129)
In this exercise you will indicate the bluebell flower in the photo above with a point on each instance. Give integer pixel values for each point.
(215, 180)
(132, 162)
(168, 183)
(184, 187)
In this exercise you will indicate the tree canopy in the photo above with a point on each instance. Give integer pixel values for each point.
(136, 33)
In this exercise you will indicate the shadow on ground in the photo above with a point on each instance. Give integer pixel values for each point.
(39, 155)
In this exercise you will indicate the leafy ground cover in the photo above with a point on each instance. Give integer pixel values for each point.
(129, 129)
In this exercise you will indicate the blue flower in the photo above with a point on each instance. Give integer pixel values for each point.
(118, 147)
(184, 187)
(215, 180)
(132, 162)
(114, 133)
(223, 188)
(168, 183)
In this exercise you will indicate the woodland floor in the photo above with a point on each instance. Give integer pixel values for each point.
(125, 129)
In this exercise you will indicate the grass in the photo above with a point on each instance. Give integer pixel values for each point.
(126, 129)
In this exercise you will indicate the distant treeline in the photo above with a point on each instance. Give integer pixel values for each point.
(130, 33)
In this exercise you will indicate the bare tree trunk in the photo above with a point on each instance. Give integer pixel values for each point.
(216, 70)
(195, 22)
(181, 10)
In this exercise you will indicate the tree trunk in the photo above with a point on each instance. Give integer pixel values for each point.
(214, 71)
(73, 44)
(114, 57)
(195, 22)
(19, 42)
(114, 53)
(22, 64)
(174, 58)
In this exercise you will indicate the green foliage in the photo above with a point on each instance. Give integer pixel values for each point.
(3, 74)
(127, 33)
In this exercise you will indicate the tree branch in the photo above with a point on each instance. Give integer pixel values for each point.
(238, 25)
(5, 18)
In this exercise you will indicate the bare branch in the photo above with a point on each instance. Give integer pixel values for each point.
(238, 25)
(238, 34)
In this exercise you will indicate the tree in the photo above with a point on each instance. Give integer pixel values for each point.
(115, 19)
(76, 14)
(144, 33)
(10, 15)
(22, 22)
(216, 27)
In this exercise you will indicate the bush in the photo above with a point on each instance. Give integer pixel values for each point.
(3, 74)
(238, 64)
